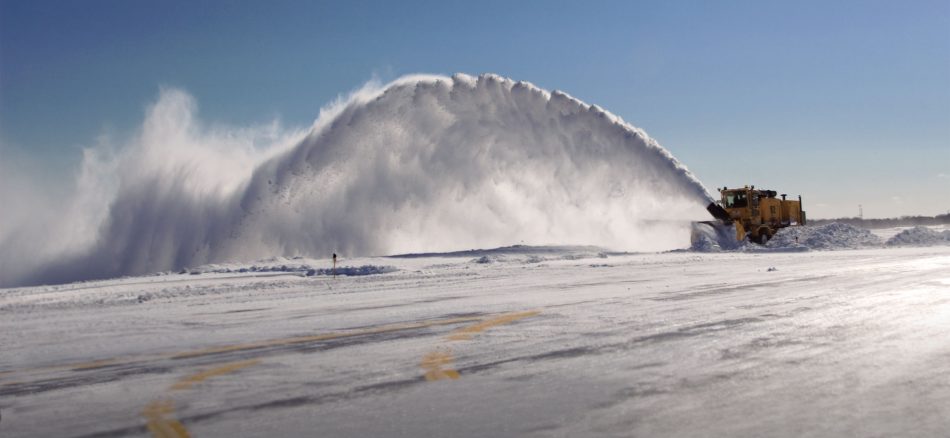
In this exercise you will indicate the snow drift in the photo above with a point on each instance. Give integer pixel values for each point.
(920, 236)
(824, 237)
(308, 268)
(426, 163)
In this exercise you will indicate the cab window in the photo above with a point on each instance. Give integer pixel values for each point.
(736, 200)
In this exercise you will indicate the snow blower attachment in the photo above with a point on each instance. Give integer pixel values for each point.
(746, 213)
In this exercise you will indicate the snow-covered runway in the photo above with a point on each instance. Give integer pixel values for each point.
(556, 343)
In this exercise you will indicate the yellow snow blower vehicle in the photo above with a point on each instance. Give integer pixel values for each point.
(755, 214)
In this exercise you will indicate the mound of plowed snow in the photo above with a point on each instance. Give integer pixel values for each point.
(297, 265)
(831, 236)
(920, 236)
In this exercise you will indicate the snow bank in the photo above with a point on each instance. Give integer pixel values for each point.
(306, 270)
(831, 236)
(824, 237)
(920, 236)
(426, 163)
(299, 265)
(562, 251)
(486, 259)
(521, 253)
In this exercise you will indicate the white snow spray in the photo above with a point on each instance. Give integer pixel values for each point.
(426, 163)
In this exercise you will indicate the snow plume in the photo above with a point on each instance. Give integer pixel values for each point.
(426, 163)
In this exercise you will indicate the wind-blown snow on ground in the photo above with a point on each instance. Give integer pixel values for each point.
(541, 342)
(424, 164)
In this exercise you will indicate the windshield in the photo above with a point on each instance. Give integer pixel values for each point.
(735, 199)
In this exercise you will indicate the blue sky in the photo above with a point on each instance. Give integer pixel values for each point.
(845, 102)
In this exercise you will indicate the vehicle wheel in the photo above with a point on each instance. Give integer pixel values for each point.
(763, 235)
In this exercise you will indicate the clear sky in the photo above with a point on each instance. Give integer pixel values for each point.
(844, 102)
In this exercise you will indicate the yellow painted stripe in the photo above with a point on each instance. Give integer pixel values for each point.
(193, 379)
(81, 366)
(93, 364)
(158, 414)
(467, 332)
(438, 366)
(159, 420)
(316, 338)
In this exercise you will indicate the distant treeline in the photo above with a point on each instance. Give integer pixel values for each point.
(903, 221)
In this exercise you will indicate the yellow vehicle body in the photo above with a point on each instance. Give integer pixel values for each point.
(759, 214)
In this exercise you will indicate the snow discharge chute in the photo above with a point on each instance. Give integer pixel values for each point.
(426, 163)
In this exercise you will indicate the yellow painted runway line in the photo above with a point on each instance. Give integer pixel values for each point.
(466, 333)
(94, 364)
(159, 414)
(89, 365)
(83, 366)
(438, 366)
(159, 420)
(324, 337)
(188, 381)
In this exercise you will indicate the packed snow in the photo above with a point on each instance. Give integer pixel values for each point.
(550, 341)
